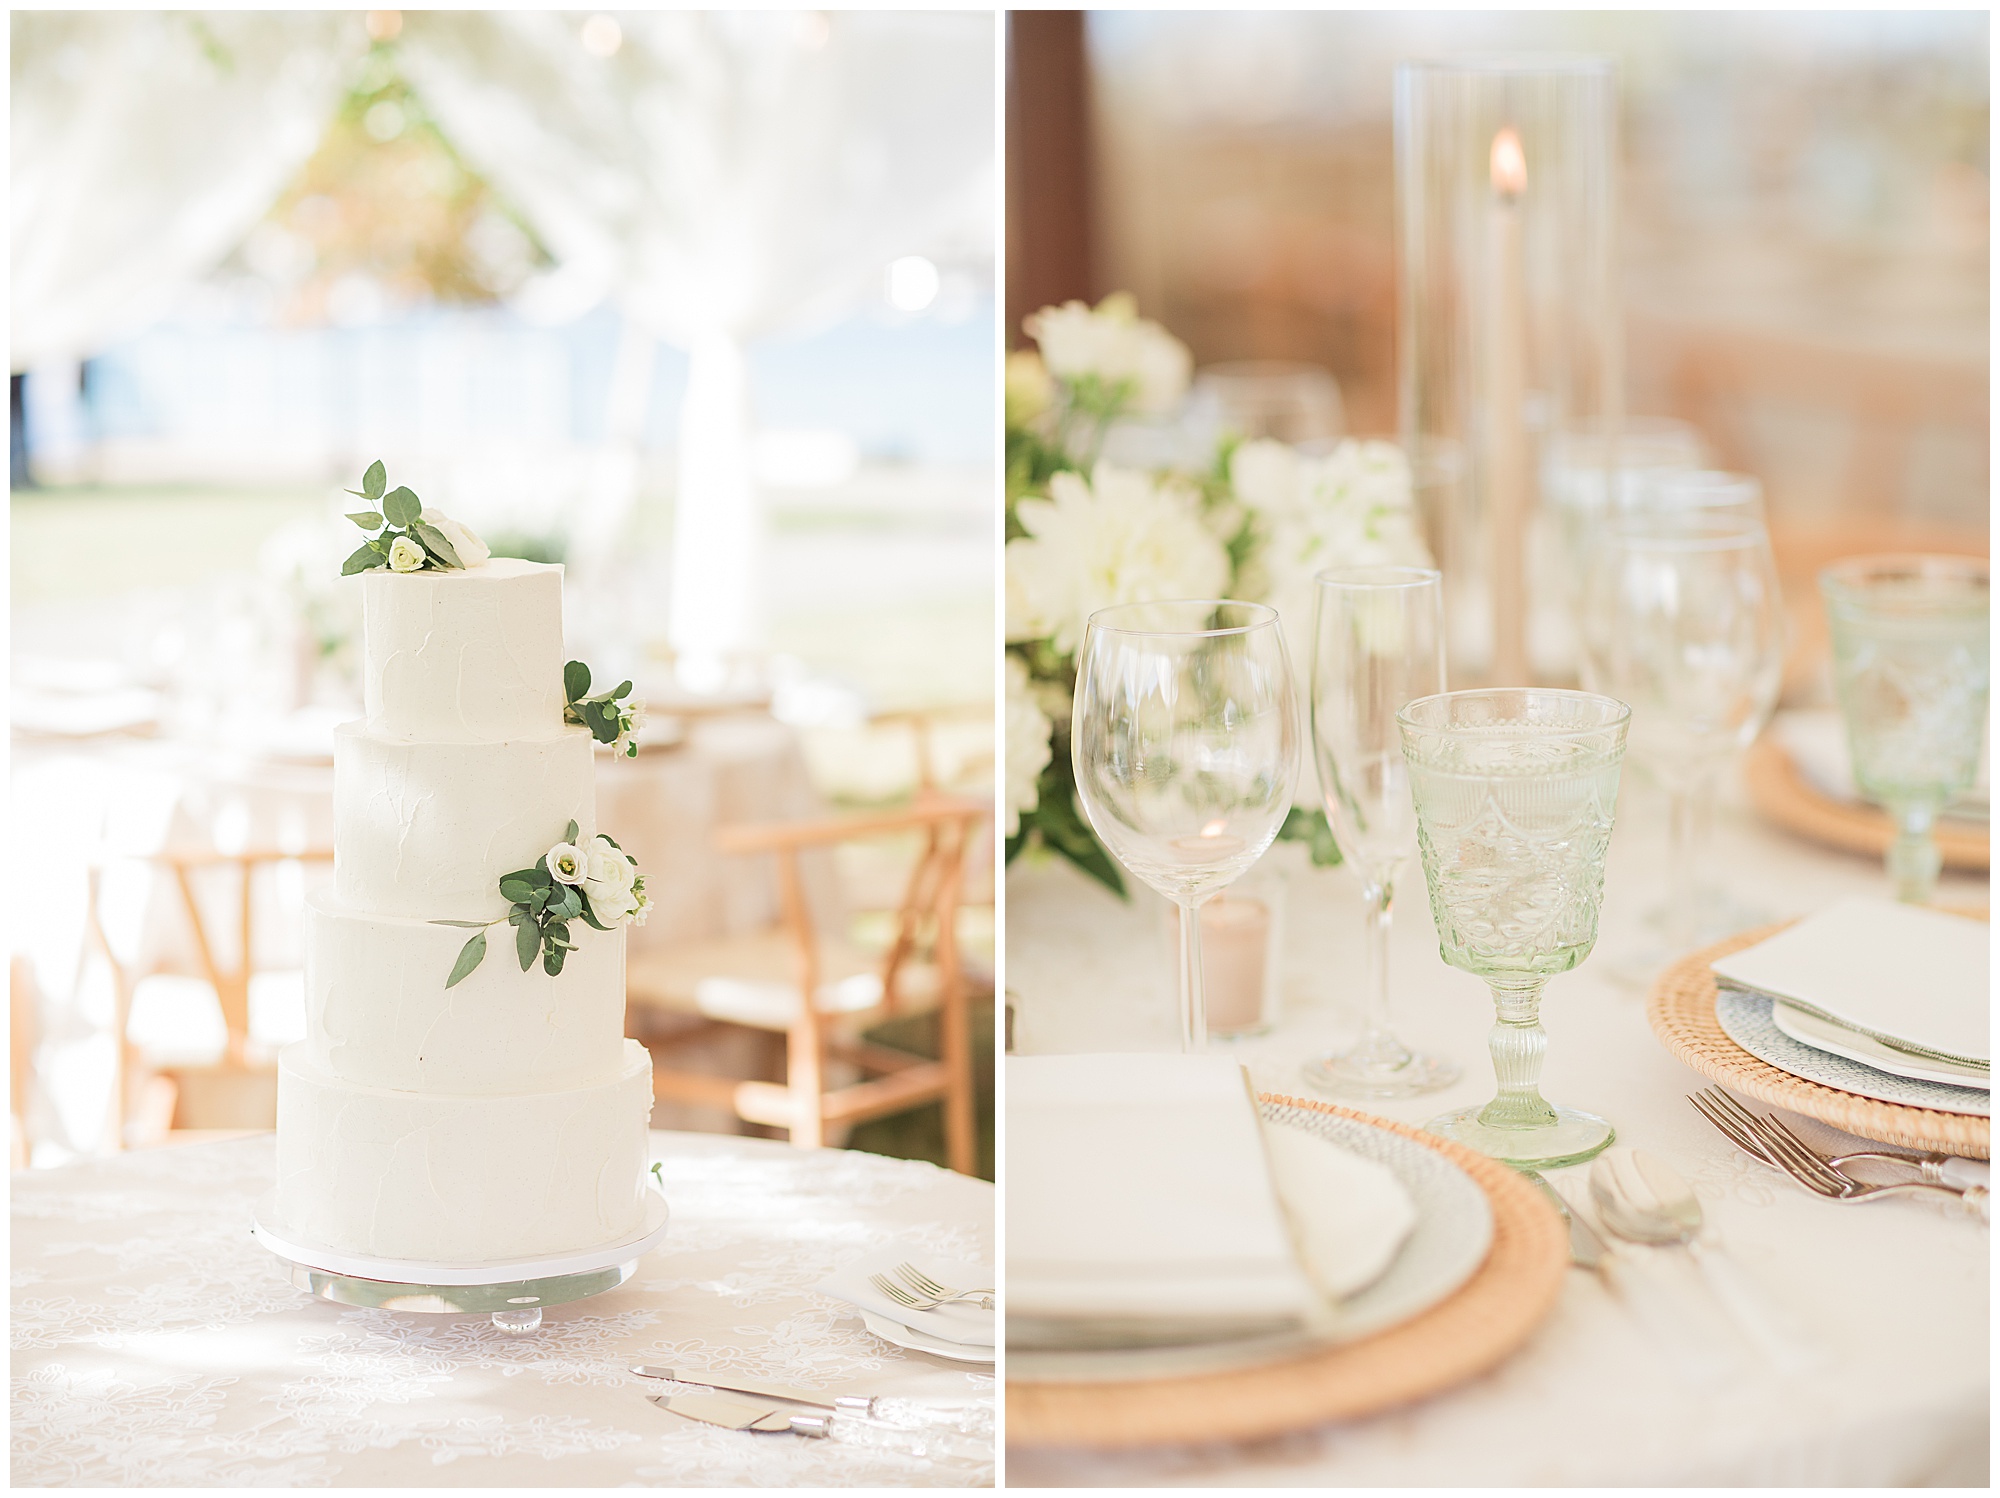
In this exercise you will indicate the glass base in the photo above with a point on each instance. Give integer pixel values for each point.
(1351, 1075)
(1573, 1138)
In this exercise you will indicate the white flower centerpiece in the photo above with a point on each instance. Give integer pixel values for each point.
(1084, 535)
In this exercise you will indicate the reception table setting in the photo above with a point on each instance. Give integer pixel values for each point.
(1710, 1205)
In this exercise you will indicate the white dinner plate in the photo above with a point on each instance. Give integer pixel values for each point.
(916, 1341)
(1746, 1019)
(1453, 1232)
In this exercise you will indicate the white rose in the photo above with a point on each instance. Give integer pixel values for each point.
(613, 907)
(405, 555)
(1028, 751)
(472, 552)
(606, 866)
(566, 862)
(1118, 538)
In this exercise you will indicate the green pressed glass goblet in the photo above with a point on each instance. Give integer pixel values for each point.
(1910, 667)
(1515, 791)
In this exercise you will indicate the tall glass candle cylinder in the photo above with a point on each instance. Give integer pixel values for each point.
(1509, 330)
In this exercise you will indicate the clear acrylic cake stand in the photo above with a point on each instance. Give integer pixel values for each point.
(514, 1291)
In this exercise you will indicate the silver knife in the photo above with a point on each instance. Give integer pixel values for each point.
(860, 1404)
(1585, 1247)
(734, 1414)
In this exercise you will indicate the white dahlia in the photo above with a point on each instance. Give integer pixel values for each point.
(1028, 750)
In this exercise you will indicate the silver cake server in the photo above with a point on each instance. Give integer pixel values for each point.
(860, 1404)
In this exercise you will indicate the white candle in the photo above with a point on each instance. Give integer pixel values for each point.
(1508, 467)
(1235, 944)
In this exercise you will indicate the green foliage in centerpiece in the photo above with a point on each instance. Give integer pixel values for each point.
(609, 721)
(404, 535)
(594, 881)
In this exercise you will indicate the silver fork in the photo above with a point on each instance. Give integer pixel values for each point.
(903, 1296)
(1772, 1142)
(923, 1284)
(1943, 1170)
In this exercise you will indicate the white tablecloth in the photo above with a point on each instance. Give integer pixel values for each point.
(156, 1344)
(1894, 1293)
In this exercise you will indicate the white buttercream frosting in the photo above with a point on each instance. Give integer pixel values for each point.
(504, 1117)
(463, 655)
(378, 1013)
(462, 1180)
(422, 828)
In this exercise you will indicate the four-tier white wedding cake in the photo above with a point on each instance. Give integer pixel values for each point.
(503, 1117)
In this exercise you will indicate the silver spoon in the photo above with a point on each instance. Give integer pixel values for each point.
(1643, 1199)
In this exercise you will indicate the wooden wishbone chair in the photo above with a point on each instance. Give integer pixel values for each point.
(812, 985)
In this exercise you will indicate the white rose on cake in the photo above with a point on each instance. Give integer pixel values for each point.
(472, 552)
(612, 882)
(406, 556)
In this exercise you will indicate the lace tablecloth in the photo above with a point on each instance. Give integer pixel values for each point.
(156, 1344)
(1893, 1295)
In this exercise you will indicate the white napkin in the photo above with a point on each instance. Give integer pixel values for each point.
(1349, 1215)
(1140, 1190)
(1892, 970)
(966, 1324)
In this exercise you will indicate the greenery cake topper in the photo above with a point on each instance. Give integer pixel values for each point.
(591, 879)
(406, 535)
(609, 720)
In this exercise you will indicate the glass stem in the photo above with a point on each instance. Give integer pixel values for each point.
(1914, 859)
(1194, 1003)
(1517, 1045)
(1379, 1047)
(1689, 819)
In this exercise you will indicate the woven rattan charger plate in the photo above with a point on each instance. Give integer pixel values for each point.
(1781, 792)
(1682, 1010)
(1462, 1336)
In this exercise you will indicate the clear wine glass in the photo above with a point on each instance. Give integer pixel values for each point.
(1185, 741)
(1910, 665)
(1683, 622)
(1378, 642)
(1515, 793)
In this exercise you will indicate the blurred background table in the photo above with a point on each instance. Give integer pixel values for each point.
(157, 1345)
(1895, 1293)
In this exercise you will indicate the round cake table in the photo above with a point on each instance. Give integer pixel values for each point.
(155, 1344)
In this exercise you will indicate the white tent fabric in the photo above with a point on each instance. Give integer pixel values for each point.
(144, 145)
(721, 175)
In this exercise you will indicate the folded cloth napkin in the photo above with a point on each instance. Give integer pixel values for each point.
(1141, 1206)
(1912, 978)
(1824, 1035)
(1349, 1216)
(965, 1323)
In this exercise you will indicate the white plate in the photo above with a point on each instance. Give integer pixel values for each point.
(963, 1323)
(1454, 1230)
(916, 1341)
(1824, 1035)
(1746, 1019)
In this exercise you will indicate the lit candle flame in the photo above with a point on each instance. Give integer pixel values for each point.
(1215, 828)
(1510, 166)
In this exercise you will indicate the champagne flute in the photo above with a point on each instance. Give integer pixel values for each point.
(1185, 742)
(1378, 642)
(1516, 791)
(1910, 665)
(1683, 622)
